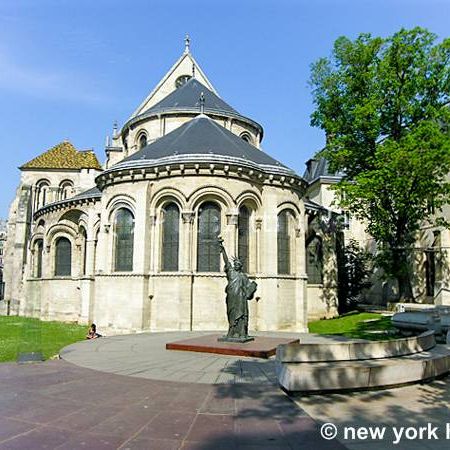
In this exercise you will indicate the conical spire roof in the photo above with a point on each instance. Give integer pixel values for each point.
(187, 98)
(202, 139)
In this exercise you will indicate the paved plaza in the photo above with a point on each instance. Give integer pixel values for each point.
(145, 356)
(411, 406)
(129, 392)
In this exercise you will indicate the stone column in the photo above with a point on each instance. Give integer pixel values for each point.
(90, 257)
(52, 193)
(77, 256)
(268, 288)
(153, 242)
(258, 226)
(301, 300)
(187, 241)
(231, 234)
(87, 283)
(104, 257)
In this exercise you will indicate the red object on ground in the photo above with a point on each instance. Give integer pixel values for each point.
(261, 347)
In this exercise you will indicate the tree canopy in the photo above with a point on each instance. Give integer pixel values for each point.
(384, 106)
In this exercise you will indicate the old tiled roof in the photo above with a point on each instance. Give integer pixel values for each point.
(64, 156)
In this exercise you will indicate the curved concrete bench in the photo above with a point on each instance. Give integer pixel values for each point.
(350, 351)
(313, 368)
(436, 319)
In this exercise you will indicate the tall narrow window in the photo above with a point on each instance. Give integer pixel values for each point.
(83, 259)
(208, 251)
(170, 238)
(39, 252)
(430, 272)
(124, 236)
(63, 257)
(314, 260)
(142, 141)
(283, 243)
(243, 236)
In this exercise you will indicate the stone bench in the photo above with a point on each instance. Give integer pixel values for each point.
(349, 351)
(436, 319)
(360, 365)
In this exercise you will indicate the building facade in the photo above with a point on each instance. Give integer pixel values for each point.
(133, 245)
(2, 255)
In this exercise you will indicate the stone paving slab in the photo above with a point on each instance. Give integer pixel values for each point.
(57, 405)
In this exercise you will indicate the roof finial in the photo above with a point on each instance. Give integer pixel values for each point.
(187, 44)
(202, 103)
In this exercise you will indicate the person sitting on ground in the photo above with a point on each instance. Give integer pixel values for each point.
(92, 333)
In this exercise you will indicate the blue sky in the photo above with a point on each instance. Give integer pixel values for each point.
(69, 68)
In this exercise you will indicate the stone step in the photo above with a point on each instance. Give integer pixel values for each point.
(364, 374)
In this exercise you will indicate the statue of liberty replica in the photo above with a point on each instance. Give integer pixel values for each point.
(239, 291)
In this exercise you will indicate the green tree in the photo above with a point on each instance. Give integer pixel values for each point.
(384, 106)
(355, 268)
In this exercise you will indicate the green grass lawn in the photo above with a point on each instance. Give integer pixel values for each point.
(370, 326)
(23, 335)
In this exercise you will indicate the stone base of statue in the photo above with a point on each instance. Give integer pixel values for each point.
(256, 347)
(239, 340)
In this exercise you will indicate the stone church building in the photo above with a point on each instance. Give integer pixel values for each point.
(133, 245)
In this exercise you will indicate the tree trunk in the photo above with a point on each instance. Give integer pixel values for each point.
(403, 276)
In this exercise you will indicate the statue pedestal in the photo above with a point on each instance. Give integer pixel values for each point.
(237, 340)
(257, 347)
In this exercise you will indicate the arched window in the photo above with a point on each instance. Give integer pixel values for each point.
(208, 250)
(63, 257)
(170, 237)
(246, 137)
(314, 260)
(142, 140)
(65, 190)
(39, 249)
(41, 193)
(283, 243)
(243, 236)
(124, 237)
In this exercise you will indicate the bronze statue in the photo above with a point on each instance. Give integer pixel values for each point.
(239, 291)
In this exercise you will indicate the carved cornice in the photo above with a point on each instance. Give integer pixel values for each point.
(195, 165)
(62, 204)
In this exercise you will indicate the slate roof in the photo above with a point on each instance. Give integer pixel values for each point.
(64, 156)
(94, 192)
(205, 140)
(187, 98)
(318, 167)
